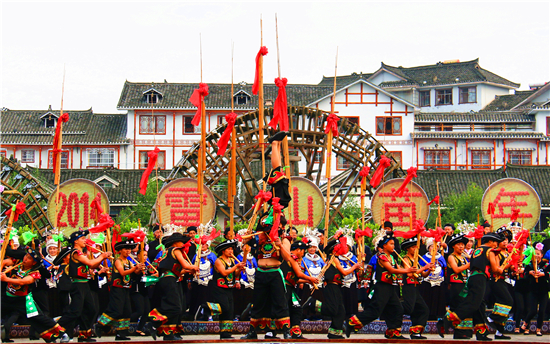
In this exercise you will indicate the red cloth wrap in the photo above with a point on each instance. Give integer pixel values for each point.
(435, 200)
(477, 234)
(263, 196)
(105, 222)
(280, 109)
(224, 139)
(411, 173)
(137, 236)
(196, 99)
(97, 209)
(256, 86)
(56, 141)
(491, 208)
(153, 156)
(360, 233)
(418, 228)
(515, 215)
(522, 237)
(277, 210)
(20, 208)
(364, 173)
(215, 233)
(332, 125)
(342, 247)
(384, 163)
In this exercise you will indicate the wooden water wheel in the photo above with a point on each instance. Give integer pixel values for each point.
(307, 141)
(20, 186)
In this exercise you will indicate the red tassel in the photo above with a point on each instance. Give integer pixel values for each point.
(384, 163)
(515, 215)
(196, 99)
(411, 173)
(56, 143)
(435, 200)
(153, 156)
(96, 207)
(280, 108)
(332, 125)
(277, 209)
(224, 139)
(105, 221)
(256, 86)
(20, 208)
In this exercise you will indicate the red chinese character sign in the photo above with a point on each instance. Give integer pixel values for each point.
(511, 197)
(75, 209)
(180, 203)
(386, 206)
(308, 205)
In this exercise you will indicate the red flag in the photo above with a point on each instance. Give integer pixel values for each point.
(280, 109)
(384, 163)
(332, 125)
(57, 144)
(153, 156)
(256, 86)
(435, 200)
(515, 215)
(411, 173)
(196, 99)
(224, 139)
(20, 208)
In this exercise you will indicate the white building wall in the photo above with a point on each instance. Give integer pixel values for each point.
(383, 77)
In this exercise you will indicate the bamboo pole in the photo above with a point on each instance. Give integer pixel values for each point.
(322, 273)
(261, 105)
(58, 161)
(231, 175)
(7, 237)
(438, 207)
(329, 154)
(12, 267)
(202, 150)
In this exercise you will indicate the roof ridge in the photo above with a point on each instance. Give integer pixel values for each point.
(438, 64)
(487, 71)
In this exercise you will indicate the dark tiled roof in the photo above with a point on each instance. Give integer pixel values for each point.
(344, 79)
(445, 74)
(508, 101)
(125, 193)
(477, 135)
(176, 95)
(83, 128)
(473, 117)
(458, 181)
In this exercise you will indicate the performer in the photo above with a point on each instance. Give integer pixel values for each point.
(386, 293)
(119, 310)
(413, 303)
(349, 282)
(64, 282)
(19, 300)
(457, 276)
(200, 290)
(166, 318)
(538, 290)
(82, 307)
(243, 296)
(139, 292)
(472, 306)
(433, 286)
(313, 263)
(226, 270)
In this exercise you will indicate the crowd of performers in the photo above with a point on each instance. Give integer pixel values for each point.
(274, 280)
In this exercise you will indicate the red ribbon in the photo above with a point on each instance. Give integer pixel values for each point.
(262, 197)
(215, 233)
(384, 163)
(515, 215)
(437, 234)
(97, 209)
(256, 86)
(105, 221)
(56, 141)
(342, 247)
(521, 237)
(491, 208)
(137, 236)
(477, 234)
(435, 200)
(280, 109)
(418, 228)
(196, 99)
(332, 125)
(411, 173)
(277, 209)
(19, 209)
(224, 139)
(153, 156)
(360, 233)
(364, 173)
(186, 247)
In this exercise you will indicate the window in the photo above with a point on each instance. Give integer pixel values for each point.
(547, 126)
(397, 156)
(27, 155)
(342, 164)
(467, 95)
(388, 125)
(152, 96)
(143, 158)
(520, 157)
(353, 120)
(437, 158)
(444, 97)
(425, 98)
(3, 153)
(481, 159)
(318, 157)
(98, 157)
(64, 159)
(189, 128)
(241, 98)
(152, 124)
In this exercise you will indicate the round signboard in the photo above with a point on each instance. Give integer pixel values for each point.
(509, 194)
(74, 209)
(180, 203)
(308, 204)
(386, 206)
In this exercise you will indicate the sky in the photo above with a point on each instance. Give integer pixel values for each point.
(99, 45)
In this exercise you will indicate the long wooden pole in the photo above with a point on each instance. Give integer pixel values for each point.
(58, 161)
(329, 156)
(231, 176)
(202, 151)
(438, 207)
(261, 105)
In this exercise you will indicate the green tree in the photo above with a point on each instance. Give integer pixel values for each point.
(459, 207)
(142, 210)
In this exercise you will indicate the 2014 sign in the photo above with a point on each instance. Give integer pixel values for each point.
(80, 203)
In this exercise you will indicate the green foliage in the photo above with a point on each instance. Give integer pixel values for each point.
(459, 207)
(239, 225)
(142, 210)
(540, 236)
